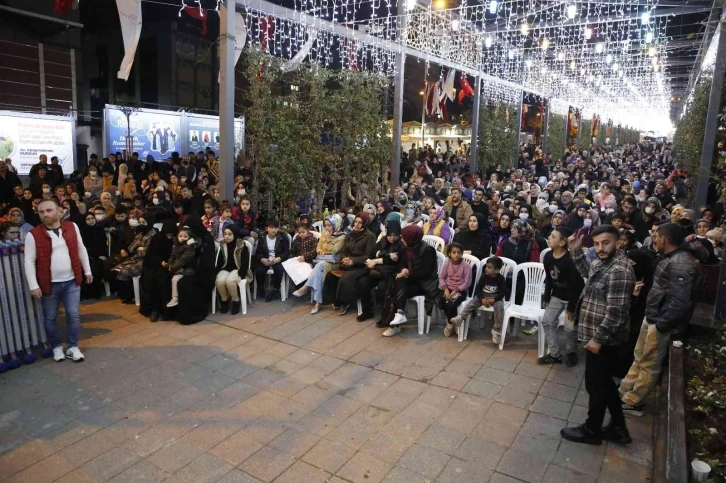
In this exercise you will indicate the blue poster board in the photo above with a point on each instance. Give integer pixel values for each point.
(155, 132)
(160, 133)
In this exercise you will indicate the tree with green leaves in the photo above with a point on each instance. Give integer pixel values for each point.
(497, 137)
(556, 135)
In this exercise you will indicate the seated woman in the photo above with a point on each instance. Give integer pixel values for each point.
(16, 216)
(558, 218)
(94, 238)
(155, 279)
(381, 269)
(376, 224)
(132, 259)
(412, 214)
(520, 247)
(194, 290)
(330, 243)
(438, 224)
(476, 240)
(503, 229)
(417, 274)
(232, 264)
(356, 250)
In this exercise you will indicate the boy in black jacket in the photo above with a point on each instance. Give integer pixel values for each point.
(489, 293)
(563, 284)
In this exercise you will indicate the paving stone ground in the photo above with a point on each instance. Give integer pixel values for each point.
(281, 395)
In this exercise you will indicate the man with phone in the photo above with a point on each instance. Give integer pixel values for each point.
(603, 314)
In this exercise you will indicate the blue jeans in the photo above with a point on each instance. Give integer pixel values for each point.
(70, 294)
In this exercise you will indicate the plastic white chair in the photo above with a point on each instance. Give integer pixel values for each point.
(474, 263)
(508, 267)
(107, 285)
(451, 223)
(158, 226)
(420, 299)
(531, 308)
(318, 226)
(543, 253)
(435, 241)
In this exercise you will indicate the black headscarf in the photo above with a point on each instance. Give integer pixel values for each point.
(478, 241)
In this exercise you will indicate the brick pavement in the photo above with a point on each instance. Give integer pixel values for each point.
(280, 395)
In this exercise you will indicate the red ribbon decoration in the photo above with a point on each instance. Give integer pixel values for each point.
(198, 14)
(466, 90)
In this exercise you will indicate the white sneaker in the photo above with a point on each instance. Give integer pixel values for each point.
(173, 303)
(58, 354)
(391, 331)
(75, 354)
(301, 291)
(398, 319)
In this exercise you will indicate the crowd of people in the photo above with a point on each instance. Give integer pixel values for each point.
(625, 256)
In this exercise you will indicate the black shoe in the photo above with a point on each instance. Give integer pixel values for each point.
(571, 359)
(364, 316)
(224, 307)
(633, 410)
(271, 296)
(235, 308)
(381, 324)
(549, 359)
(154, 317)
(343, 310)
(616, 434)
(581, 434)
(127, 301)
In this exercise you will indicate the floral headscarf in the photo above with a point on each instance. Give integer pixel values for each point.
(337, 221)
(526, 231)
(440, 214)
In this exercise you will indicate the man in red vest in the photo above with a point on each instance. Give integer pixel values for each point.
(55, 263)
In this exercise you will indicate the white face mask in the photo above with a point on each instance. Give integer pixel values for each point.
(650, 210)
(134, 222)
(100, 217)
(92, 174)
(155, 201)
(46, 190)
(587, 223)
(524, 216)
(609, 210)
(240, 192)
(553, 209)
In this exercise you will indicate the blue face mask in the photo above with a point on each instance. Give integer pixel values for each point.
(409, 212)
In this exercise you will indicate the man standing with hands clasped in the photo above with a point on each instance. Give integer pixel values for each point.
(55, 264)
(602, 321)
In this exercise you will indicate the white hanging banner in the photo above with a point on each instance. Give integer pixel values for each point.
(240, 38)
(129, 12)
(304, 51)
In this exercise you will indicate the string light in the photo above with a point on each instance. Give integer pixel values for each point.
(599, 47)
(488, 42)
(588, 33)
(493, 4)
(571, 11)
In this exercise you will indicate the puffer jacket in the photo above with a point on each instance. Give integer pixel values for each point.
(677, 282)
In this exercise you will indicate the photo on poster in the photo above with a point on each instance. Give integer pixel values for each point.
(193, 137)
(206, 137)
(162, 136)
(216, 138)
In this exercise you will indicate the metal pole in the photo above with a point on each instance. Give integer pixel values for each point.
(423, 106)
(518, 125)
(41, 73)
(714, 105)
(474, 151)
(226, 99)
(545, 126)
(395, 163)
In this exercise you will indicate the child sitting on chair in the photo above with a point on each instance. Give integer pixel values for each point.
(454, 281)
(180, 261)
(488, 293)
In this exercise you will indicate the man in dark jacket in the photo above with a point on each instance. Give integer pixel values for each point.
(8, 182)
(634, 219)
(671, 301)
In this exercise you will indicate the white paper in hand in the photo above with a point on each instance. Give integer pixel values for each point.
(297, 270)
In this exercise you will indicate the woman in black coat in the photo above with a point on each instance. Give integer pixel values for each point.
(357, 248)
(195, 290)
(476, 239)
(418, 275)
(94, 238)
(155, 283)
(382, 266)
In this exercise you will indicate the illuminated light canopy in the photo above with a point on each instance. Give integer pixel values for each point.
(571, 11)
